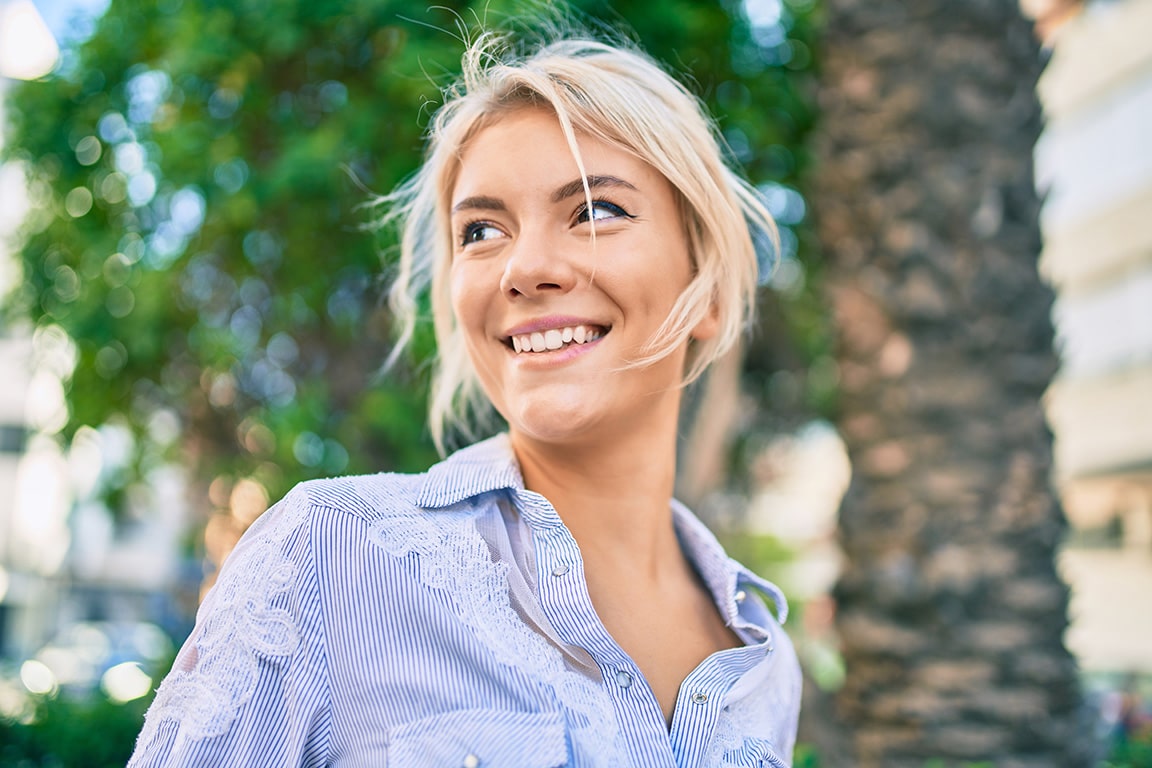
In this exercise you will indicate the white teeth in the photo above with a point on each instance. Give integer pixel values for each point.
(554, 338)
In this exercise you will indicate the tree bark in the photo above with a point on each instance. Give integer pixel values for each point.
(950, 610)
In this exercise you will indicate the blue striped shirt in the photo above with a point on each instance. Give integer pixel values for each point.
(442, 619)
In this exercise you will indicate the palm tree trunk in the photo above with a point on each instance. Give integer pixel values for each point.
(950, 610)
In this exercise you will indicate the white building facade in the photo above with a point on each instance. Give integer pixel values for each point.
(1094, 164)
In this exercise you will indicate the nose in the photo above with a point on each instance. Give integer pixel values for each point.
(537, 264)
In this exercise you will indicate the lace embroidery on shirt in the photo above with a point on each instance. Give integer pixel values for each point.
(739, 739)
(735, 743)
(479, 587)
(217, 671)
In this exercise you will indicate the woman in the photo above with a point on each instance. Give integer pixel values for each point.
(537, 599)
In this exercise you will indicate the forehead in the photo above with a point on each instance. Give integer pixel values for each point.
(526, 150)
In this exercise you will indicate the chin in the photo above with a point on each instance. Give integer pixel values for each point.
(549, 424)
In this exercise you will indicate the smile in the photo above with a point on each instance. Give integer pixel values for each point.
(555, 338)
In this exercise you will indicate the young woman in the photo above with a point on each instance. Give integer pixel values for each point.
(537, 599)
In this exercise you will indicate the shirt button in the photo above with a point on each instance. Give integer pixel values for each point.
(470, 761)
(561, 569)
(623, 679)
(699, 698)
(740, 595)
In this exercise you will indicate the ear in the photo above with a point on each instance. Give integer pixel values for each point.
(709, 325)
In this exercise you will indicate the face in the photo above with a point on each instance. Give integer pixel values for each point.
(551, 319)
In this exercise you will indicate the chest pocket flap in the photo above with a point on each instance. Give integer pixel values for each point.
(480, 738)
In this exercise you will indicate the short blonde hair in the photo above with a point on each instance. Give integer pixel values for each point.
(616, 94)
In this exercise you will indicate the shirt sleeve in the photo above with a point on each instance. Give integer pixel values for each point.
(249, 686)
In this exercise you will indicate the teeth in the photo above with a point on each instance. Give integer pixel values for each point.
(554, 338)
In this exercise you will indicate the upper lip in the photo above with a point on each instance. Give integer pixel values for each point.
(551, 322)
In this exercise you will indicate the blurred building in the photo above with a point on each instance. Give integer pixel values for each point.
(66, 560)
(1094, 163)
(27, 566)
(13, 385)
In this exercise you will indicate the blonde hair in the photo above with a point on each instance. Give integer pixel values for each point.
(617, 95)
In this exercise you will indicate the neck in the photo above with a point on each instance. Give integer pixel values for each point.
(613, 495)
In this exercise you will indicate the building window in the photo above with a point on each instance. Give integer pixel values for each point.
(12, 438)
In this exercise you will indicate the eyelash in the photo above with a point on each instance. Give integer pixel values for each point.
(472, 227)
(616, 211)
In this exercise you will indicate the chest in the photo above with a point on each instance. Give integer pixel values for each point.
(668, 633)
(468, 657)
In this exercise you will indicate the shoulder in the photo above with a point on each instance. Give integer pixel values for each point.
(365, 496)
(392, 509)
(457, 481)
(319, 516)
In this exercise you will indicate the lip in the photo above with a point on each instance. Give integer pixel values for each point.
(565, 354)
(549, 322)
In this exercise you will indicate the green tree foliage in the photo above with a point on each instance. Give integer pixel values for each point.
(198, 235)
(66, 732)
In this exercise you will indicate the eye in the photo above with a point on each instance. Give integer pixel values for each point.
(479, 231)
(601, 210)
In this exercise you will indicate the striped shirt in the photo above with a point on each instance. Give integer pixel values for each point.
(442, 619)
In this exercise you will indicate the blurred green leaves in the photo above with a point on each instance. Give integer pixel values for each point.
(72, 732)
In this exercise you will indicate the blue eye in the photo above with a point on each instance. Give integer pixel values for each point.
(479, 231)
(601, 210)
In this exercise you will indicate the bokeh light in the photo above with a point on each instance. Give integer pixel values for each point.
(27, 48)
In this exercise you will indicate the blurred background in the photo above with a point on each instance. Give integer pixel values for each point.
(938, 438)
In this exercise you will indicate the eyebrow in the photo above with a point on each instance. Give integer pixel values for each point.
(479, 202)
(571, 189)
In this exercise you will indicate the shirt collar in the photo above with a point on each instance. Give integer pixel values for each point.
(723, 575)
(490, 465)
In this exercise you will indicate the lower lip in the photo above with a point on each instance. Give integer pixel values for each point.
(556, 356)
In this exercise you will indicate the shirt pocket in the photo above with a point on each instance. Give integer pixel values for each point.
(480, 738)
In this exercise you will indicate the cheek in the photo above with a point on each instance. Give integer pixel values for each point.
(463, 295)
(471, 309)
(666, 283)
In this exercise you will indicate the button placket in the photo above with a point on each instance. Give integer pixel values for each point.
(577, 624)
